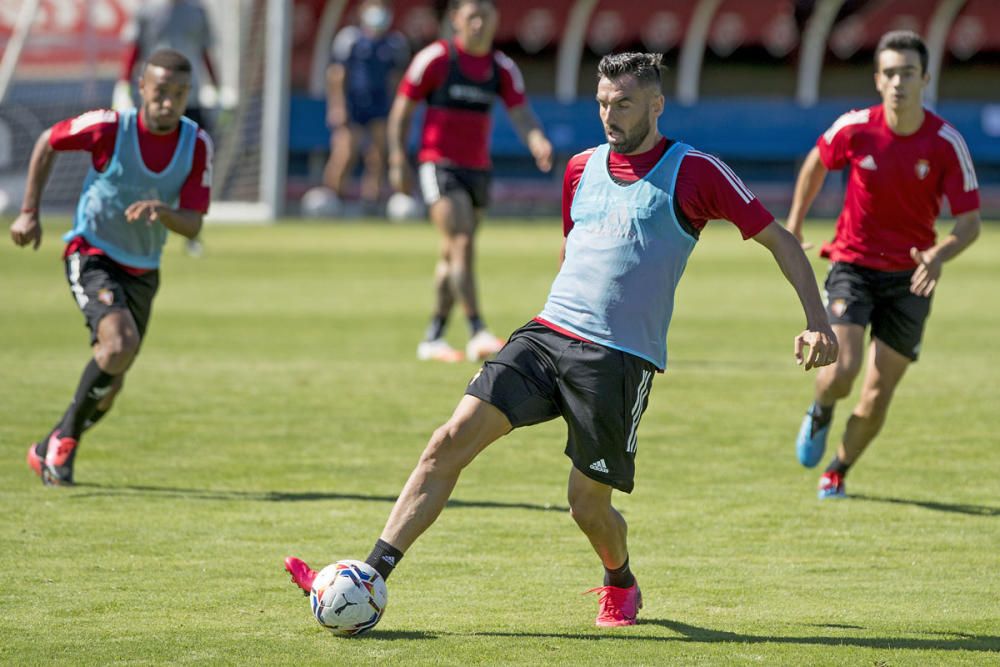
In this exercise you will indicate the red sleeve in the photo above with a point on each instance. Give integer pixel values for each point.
(426, 72)
(131, 58)
(93, 131)
(959, 184)
(707, 189)
(511, 81)
(574, 171)
(833, 144)
(197, 189)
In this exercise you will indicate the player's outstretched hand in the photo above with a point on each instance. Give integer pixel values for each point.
(26, 229)
(822, 348)
(148, 208)
(541, 150)
(925, 278)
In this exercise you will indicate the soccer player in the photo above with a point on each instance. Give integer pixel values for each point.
(151, 173)
(633, 209)
(886, 260)
(366, 60)
(182, 25)
(459, 79)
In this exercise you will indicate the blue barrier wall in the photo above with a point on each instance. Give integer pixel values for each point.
(745, 130)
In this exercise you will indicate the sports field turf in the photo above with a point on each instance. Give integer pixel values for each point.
(277, 408)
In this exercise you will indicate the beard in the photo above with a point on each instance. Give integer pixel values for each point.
(630, 141)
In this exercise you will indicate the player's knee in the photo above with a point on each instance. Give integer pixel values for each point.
(587, 509)
(117, 349)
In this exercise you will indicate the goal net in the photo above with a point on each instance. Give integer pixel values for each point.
(63, 57)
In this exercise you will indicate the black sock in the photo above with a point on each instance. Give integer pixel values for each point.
(436, 328)
(94, 385)
(619, 578)
(384, 558)
(821, 415)
(43, 444)
(838, 466)
(476, 324)
(93, 419)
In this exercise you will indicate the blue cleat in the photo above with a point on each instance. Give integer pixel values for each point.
(811, 443)
(831, 485)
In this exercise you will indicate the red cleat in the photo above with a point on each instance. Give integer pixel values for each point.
(618, 606)
(302, 574)
(58, 467)
(34, 460)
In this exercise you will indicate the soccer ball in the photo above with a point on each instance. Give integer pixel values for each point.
(402, 207)
(348, 597)
(320, 202)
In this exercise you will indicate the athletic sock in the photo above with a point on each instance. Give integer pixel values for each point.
(476, 324)
(384, 558)
(838, 466)
(821, 415)
(94, 385)
(436, 328)
(93, 419)
(619, 578)
(43, 444)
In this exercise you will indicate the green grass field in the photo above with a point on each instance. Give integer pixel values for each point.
(277, 408)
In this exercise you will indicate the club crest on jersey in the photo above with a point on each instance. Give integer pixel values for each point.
(105, 296)
(922, 168)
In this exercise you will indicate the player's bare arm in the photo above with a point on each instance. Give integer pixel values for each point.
(530, 131)
(27, 228)
(928, 272)
(807, 186)
(818, 336)
(180, 220)
(397, 131)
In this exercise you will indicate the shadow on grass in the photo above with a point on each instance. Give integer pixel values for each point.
(105, 490)
(695, 634)
(974, 510)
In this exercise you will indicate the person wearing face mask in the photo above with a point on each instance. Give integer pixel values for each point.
(459, 79)
(366, 61)
(151, 173)
(886, 257)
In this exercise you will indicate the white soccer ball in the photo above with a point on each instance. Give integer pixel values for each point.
(348, 597)
(320, 202)
(402, 207)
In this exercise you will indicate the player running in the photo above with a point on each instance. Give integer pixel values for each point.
(459, 79)
(886, 263)
(633, 210)
(151, 172)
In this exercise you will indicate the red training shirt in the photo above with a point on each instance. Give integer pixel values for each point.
(706, 188)
(457, 136)
(895, 186)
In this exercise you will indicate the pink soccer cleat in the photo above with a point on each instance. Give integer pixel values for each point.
(302, 574)
(618, 606)
(34, 460)
(58, 466)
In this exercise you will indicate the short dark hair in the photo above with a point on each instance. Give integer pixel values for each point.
(453, 5)
(645, 67)
(902, 40)
(175, 61)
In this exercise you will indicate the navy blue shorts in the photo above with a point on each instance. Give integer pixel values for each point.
(541, 374)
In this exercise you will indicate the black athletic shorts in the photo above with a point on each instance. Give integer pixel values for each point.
(863, 296)
(541, 374)
(438, 180)
(100, 286)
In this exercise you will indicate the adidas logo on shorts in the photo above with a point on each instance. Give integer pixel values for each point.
(599, 466)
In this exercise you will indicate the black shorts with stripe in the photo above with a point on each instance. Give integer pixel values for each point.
(440, 180)
(541, 374)
(100, 285)
(859, 295)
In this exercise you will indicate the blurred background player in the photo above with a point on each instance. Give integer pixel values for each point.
(181, 25)
(886, 263)
(142, 162)
(459, 78)
(633, 209)
(366, 62)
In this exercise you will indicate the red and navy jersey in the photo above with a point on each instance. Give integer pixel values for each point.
(895, 186)
(706, 188)
(460, 89)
